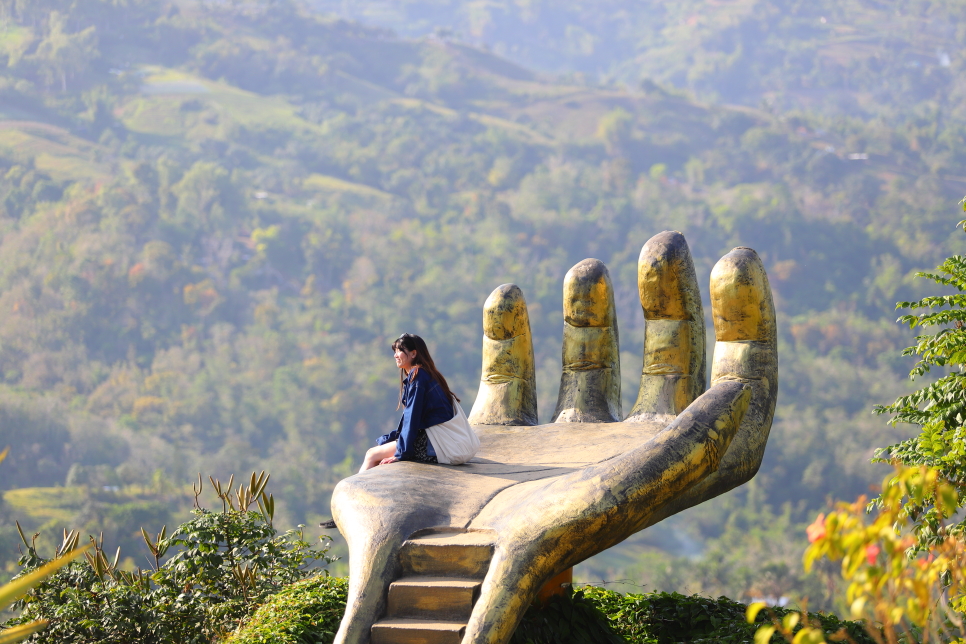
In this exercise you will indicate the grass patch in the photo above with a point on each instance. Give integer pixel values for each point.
(159, 110)
(54, 150)
(45, 503)
(325, 183)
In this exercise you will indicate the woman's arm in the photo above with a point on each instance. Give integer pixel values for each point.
(391, 436)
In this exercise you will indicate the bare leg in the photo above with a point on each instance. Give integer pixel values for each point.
(375, 454)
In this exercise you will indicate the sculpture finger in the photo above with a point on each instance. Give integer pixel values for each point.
(746, 351)
(508, 392)
(548, 526)
(590, 383)
(674, 337)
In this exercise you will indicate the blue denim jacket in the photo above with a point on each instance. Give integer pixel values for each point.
(425, 405)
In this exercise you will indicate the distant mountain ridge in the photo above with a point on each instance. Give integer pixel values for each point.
(856, 58)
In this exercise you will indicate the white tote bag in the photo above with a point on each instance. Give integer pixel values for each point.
(455, 441)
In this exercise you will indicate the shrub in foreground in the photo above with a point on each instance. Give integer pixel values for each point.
(223, 565)
(572, 618)
(901, 590)
(23, 583)
(307, 612)
(669, 618)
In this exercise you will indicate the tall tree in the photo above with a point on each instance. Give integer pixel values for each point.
(938, 408)
(63, 56)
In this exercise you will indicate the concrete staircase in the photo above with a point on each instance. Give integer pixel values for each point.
(432, 601)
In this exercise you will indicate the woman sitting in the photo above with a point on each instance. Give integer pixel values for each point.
(426, 400)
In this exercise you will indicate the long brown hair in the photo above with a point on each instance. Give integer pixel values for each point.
(411, 342)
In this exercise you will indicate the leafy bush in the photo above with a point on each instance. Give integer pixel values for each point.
(566, 619)
(225, 564)
(668, 618)
(16, 588)
(307, 612)
(938, 408)
(901, 592)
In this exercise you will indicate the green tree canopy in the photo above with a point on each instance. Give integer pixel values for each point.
(939, 407)
(61, 55)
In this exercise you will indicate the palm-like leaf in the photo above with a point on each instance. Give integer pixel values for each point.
(22, 632)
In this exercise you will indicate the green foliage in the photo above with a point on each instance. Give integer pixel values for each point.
(309, 611)
(900, 592)
(224, 565)
(27, 426)
(939, 408)
(568, 618)
(668, 618)
(306, 612)
(13, 591)
(62, 55)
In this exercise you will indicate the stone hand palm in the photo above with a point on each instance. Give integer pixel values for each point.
(540, 498)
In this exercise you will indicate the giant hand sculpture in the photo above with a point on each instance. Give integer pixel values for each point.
(482, 538)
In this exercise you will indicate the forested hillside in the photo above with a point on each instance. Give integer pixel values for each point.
(216, 217)
(864, 58)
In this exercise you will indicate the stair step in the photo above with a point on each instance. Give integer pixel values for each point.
(433, 597)
(417, 631)
(465, 554)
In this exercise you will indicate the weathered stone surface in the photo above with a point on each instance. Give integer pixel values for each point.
(417, 631)
(449, 598)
